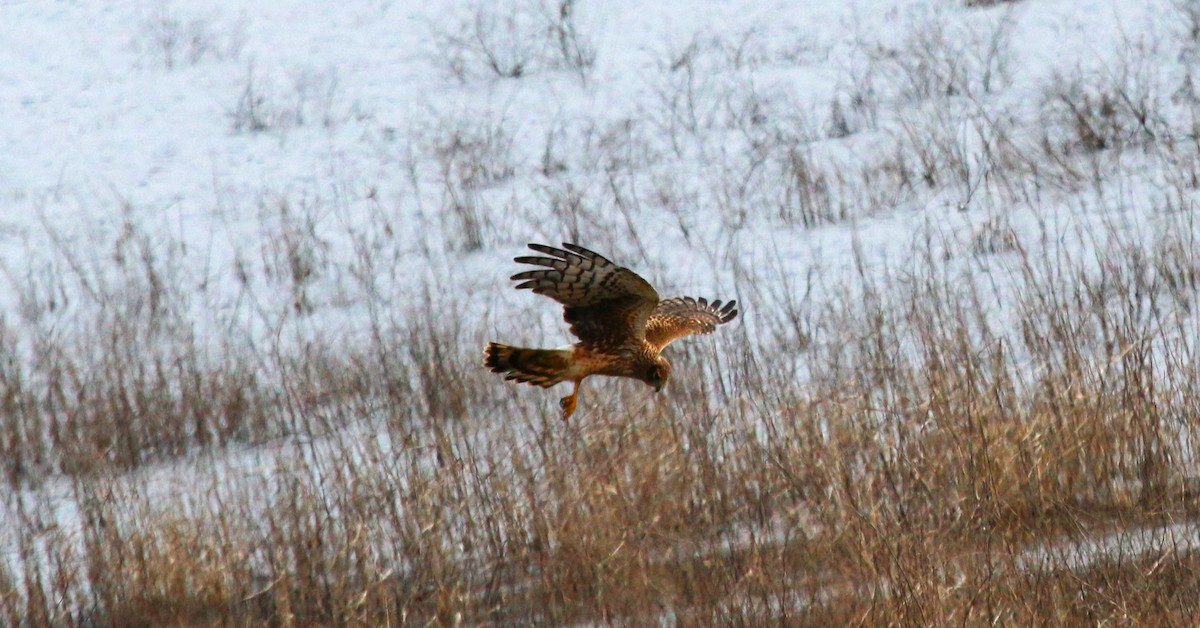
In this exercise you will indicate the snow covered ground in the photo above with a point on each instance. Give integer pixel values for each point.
(216, 129)
(290, 174)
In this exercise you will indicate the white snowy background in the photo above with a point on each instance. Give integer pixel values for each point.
(295, 168)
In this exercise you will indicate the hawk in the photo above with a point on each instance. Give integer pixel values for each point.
(621, 324)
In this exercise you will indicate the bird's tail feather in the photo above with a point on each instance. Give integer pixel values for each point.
(540, 367)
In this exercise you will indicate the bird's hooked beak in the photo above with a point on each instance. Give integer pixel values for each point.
(658, 388)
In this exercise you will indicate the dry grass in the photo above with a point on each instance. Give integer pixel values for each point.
(910, 481)
(930, 442)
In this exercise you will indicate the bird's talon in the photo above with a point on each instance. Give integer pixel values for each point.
(568, 405)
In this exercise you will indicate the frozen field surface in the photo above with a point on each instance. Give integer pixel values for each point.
(251, 253)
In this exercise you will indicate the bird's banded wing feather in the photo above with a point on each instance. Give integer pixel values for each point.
(606, 305)
(683, 316)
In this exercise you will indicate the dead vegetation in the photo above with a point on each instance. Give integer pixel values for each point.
(998, 428)
(931, 454)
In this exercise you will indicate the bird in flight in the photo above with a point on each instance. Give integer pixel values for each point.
(621, 323)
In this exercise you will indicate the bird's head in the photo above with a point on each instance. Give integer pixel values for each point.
(657, 372)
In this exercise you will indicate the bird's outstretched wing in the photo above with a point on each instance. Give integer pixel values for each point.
(606, 305)
(683, 316)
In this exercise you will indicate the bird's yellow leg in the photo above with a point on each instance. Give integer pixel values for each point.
(569, 402)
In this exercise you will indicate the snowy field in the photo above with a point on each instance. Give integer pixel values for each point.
(253, 252)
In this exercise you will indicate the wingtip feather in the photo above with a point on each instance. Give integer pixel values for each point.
(547, 249)
(729, 312)
(582, 252)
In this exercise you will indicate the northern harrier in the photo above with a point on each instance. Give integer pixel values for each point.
(621, 324)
